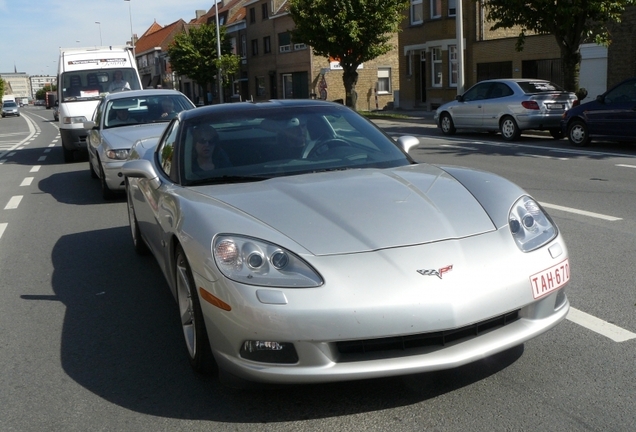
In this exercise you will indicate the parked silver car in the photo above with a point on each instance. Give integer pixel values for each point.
(304, 245)
(121, 119)
(509, 106)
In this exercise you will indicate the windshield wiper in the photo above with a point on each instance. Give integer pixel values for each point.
(227, 179)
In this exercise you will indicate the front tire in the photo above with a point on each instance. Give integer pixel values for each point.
(192, 324)
(509, 129)
(446, 124)
(578, 135)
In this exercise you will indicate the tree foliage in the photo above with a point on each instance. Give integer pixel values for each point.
(571, 22)
(2, 87)
(193, 53)
(41, 94)
(352, 31)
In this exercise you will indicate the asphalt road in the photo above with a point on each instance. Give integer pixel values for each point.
(90, 336)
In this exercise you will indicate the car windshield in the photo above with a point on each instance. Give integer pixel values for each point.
(539, 87)
(9, 105)
(146, 109)
(89, 84)
(258, 144)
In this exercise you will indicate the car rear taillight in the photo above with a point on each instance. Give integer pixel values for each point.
(576, 103)
(533, 105)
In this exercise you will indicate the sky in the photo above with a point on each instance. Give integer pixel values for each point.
(33, 31)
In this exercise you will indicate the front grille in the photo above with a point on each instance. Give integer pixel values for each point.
(399, 346)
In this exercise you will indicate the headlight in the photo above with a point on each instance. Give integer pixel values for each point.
(256, 262)
(121, 154)
(530, 226)
(70, 120)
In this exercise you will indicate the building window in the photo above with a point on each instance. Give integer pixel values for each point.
(453, 66)
(417, 12)
(436, 8)
(409, 63)
(243, 46)
(264, 11)
(254, 46)
(452, 7)
(284, 42)
(384, 80)
(436, 58)
(234, 47)
(252, 15)
(267, 45)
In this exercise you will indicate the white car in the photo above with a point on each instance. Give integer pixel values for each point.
(304, 245)
(121, 119)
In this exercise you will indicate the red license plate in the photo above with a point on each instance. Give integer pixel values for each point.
(549, 280)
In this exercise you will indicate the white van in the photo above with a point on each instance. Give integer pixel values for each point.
(84, 74)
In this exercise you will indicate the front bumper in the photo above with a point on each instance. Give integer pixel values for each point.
(114, 177)
(74, 139)
(376, 300)
(10, 114)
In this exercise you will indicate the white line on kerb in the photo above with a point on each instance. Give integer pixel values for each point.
(581, 212)
(3, 226)
(599, 326)
(13, 203)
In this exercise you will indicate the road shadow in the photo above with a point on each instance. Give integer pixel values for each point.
(122, 340)
(76, 188)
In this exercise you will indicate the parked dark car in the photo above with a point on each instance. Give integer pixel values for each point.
(611, 117)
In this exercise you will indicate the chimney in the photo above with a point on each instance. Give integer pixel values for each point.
(199, 13)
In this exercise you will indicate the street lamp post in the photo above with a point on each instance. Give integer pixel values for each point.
(132, 38)
(218, 52)
(100, 32)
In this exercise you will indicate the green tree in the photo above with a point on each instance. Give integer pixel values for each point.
(352, 31)
(193, 53)
(1, 88)
(41, 94)
(571, 22)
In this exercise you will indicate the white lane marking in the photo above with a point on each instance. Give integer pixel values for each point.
(3, 226)
(51, 145)
(13, 203)
(626, 166)
(542, 156)
(599, 326)
(27, 181)
(459, 147)
(41, 158)
(11, 154)
(33, 129)
(581, 212)
(47, 150)
(36, 168)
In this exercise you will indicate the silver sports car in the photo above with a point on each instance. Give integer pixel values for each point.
(303, 245)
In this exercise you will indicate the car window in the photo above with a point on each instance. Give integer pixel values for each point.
(9, 104)
(269, 142)
(477, 92)
(625, 92)
(165, 150)
(538, 86)
(498, 90)
(146, 109)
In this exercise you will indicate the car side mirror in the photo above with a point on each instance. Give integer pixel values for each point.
(407, 142)
(459, 98)
(600, 99)
(89, 125)
(141, 168)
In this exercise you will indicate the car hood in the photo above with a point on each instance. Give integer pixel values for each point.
(361, 210)
(125, 136)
